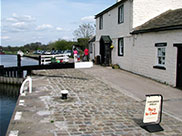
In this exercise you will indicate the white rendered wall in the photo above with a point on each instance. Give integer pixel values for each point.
(114, 30)
(144, 10)
(111, 26)
(140, 52)
(145, 55)
(124, 61)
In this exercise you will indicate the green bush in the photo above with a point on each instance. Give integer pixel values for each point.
(115, 66)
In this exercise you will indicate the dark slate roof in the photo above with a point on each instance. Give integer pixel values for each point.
(170, 20)
(106, 39)
(92, 39)
(110, 8)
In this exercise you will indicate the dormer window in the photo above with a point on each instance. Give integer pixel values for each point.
(101, 22)
(120, 14)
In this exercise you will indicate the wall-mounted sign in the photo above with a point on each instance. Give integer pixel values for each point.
(153, 109)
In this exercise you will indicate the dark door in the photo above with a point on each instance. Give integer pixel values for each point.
(105, 51)
(179, 68)
(102, 51)
(107, 60)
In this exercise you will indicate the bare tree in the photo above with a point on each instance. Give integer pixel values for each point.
(84, 31)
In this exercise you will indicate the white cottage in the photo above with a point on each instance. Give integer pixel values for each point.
(146, 35)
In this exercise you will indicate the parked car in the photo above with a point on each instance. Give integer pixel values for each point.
(68, 52)
(47, 53)
(42, 52)
(37, 52)
(59, 52)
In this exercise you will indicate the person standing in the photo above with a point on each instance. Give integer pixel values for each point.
(86, 54)
(75, 52)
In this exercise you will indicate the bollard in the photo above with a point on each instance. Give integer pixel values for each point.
(18, 60)
(39, 60)
(64, 94)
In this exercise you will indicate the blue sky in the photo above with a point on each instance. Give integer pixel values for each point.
(26, 21)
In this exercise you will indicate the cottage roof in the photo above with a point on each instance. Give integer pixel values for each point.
(110, 8)
(170, 20)
(92, 39)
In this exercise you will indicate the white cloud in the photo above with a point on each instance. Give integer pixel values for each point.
(11, 19)
(59, 29)
(67, 38)
(44, 27)
(14, 15)
(35, 13)
(28, 18)
(19, 24)
(89, 19)
(37, 37)
(5, 37)
(20, 18)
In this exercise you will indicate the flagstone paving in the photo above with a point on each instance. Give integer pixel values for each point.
(93, 108)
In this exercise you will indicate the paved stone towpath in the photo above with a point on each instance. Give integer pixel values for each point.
(93, 108)
(137, 87)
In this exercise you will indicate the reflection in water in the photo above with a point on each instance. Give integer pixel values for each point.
(9, 93)
(9, 90)
(8, 97)
(11, 60)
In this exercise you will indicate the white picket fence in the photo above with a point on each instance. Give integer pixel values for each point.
(46, 59)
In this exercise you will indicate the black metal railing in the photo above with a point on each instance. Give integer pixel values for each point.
(18, 71)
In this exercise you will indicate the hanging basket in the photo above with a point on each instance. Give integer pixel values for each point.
(111, 46)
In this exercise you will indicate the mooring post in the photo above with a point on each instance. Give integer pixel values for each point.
(39, 60)
(18, 60)
(1, 70)
(20, 72)
(29, 72)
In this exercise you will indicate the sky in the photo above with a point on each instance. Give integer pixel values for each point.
(27, 21)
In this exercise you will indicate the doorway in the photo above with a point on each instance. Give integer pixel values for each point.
(105, 51)
(179, 66)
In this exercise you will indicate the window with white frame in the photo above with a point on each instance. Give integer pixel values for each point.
(120, 46)
(120, 14)
(161, 55)
(101, 22)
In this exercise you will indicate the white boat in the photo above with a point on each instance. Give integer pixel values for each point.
(20, 53)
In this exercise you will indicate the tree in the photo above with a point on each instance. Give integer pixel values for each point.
(83, 43)
(61, 45)
(84, 31)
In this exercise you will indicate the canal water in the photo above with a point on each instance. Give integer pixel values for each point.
(9, 93)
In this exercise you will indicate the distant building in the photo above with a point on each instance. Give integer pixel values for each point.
(146, 35)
